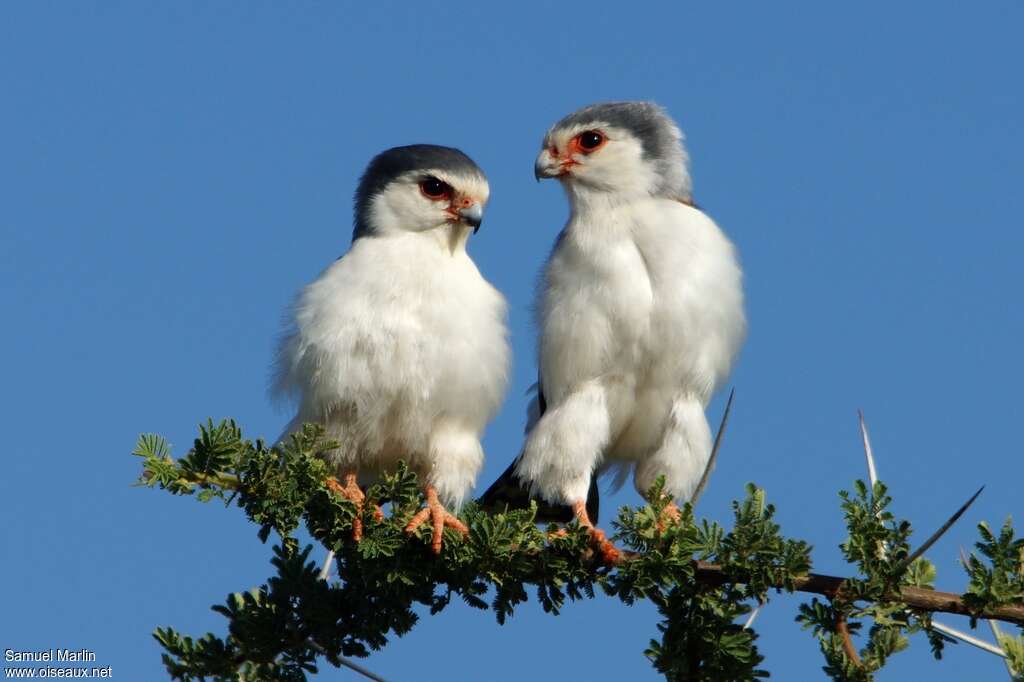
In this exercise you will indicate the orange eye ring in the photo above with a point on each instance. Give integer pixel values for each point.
(435, 189)
(588, 142)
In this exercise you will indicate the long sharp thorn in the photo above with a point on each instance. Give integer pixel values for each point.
(348, 663)
(714, 452)
(998, 634)
(964, 559)
(753, 615)
(969, 639)
(352, 665)
(993, 625)
(869, 455)
(939, 533)
(325, 572)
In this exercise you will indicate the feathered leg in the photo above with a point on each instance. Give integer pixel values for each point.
(454, 458)
(562, 451)
(681, 457)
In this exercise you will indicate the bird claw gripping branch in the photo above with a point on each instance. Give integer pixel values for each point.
(349, 489)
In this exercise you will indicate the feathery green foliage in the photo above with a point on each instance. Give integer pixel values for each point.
(878, 544)
(1014, 648)
(701, 577)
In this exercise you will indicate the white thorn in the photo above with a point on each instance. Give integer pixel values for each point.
(352, 665)
(750, 620)
(348, 663)
(868, 454)
(997, 633)
(964, 637)
(325, 572)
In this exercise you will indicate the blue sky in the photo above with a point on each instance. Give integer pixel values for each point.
(172, 173)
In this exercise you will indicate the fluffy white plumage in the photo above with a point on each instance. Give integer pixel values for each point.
(640, 309)
(400, 347)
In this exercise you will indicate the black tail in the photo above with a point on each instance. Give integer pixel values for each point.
(508, 492)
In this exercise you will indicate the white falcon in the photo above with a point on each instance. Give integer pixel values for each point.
(399, 348)
(640, 308)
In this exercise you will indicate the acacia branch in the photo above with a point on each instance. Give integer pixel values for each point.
(914, 597)
(844, 632)
(381, 578)
(813, 583)
(218, 479)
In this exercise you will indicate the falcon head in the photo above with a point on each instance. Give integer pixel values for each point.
(624, 148)
(417, 188)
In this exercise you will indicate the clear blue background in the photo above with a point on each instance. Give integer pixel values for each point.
(171, 173)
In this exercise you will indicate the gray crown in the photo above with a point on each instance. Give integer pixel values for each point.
(397, 161)
(658, 135)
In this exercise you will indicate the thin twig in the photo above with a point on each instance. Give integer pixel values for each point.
(938, 534)
(714, 452)
(844, 633)
(226, 481)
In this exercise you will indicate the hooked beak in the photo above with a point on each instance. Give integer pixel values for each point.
(547, 166)
(472, 215)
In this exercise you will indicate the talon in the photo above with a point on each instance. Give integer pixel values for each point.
(350, 490)
(609, 552)
(439, 516)
(672, 514)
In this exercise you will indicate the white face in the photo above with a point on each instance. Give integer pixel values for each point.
(429, 199)
(596, 156)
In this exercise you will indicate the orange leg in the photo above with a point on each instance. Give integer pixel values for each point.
(609, 553)
(349, 489)
(439, 517)
(671, 514)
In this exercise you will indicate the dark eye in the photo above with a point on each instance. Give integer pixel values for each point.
(433, 188)
(591, 140)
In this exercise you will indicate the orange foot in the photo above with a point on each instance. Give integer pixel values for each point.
(350, 490)
(670, 514)
(609, 553)
(439, 516)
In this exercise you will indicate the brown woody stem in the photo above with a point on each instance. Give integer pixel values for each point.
(914, 597)
(844, 633)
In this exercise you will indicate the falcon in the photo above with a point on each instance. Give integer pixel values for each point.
(399, 348)
(640, 309)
